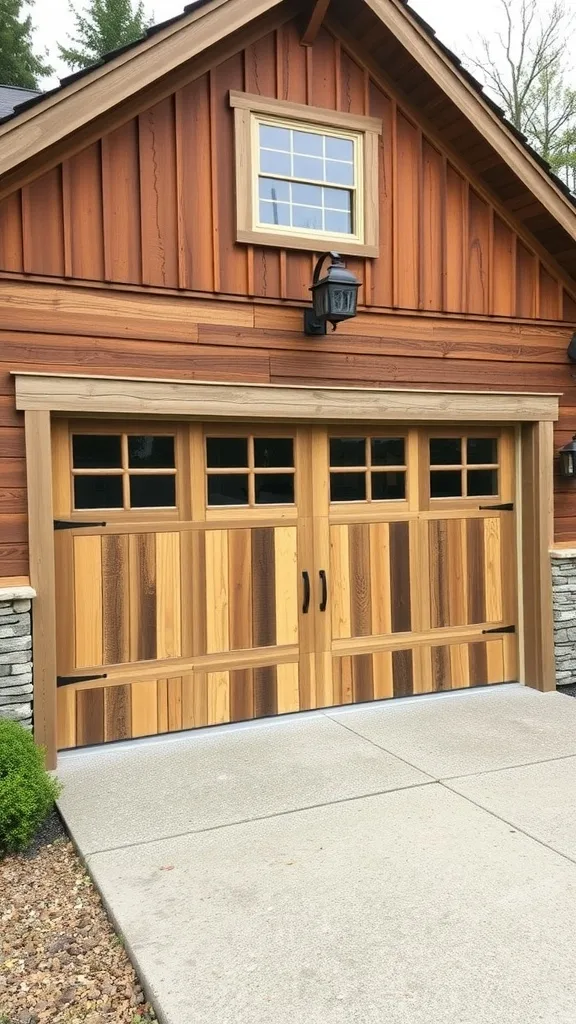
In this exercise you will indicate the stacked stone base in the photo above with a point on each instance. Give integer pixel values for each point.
(16, 655)
(564, 597)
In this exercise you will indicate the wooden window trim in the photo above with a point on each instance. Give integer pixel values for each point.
(247, 106)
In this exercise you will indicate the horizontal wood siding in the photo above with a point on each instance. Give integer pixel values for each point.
(258, 343)
(152, 203)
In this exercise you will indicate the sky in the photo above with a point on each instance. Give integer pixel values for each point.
(456, 22)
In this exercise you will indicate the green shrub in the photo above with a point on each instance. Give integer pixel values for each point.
(27, 792)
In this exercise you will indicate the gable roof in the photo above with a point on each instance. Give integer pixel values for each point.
(46, 119)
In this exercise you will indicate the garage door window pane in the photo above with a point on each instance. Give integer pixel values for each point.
(446, 484)
(348, 487)
(388, 486)
(388, 451)
(96, 451)
(227, 452)
(152, 491)
(347, 451)
(482, 451)
(97, 492)
(446, 451)
(228, 490)
(482, 482)
(274, 489)
(151, 452)
(273, 452)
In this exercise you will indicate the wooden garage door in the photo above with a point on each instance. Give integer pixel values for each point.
(420, 555)
(208, 574)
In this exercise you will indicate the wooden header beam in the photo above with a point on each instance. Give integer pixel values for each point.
(129, 396)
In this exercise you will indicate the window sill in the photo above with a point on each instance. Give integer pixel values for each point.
(319, 245)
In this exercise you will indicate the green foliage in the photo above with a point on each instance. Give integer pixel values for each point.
(105, 25)
(27, 792)
(19, 65)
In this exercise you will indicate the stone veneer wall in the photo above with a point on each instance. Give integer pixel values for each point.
(16, 654)
(564, 597)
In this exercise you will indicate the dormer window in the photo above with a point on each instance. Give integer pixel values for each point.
(306, 178)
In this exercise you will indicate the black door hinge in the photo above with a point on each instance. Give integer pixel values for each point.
(67, 680)
(501, 629)
(66, 524)
(508, 507)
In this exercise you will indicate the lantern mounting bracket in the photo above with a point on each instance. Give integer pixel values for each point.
(334, 297)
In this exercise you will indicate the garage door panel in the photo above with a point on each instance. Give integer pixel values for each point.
(466, 572)
(251, 592)
(370, 579)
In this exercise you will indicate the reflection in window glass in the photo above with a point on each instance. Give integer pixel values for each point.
(275, 138)
(227, 452)
(339, 174)
(445, 451)
(347, 451)
(446, 484)
(482, 451)
(98, 492)
(388, 486)
(275, 213)
(274, 488)
(307, 217)
(275, 163)
(308, 143)
(152, 491)
(273, 453)
(348, 487)
(151, 452)
(482, 482)
(228, 490)
(96, 451)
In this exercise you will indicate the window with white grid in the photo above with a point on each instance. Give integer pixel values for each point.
(308, 179)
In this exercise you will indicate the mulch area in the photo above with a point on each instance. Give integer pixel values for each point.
(60, 958)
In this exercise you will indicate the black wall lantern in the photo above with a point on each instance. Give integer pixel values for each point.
(568, 459)
(335, 297)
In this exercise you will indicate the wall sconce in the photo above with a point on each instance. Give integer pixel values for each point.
(568, 459)
(335, 297)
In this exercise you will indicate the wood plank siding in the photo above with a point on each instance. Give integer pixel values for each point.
(122, 260)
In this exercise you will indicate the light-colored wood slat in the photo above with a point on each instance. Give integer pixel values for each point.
(218, 698)
(380, 577)
(88, 600)
(510, 656)
(174, 704)
(495, 659)
(340, 582)
(286, 585)
(288, 689)
(383, 675)
(495, 566)
(459, 666)
(145, 708)
(168, 597)
(66, 717)
(217, 592)
(456, 571)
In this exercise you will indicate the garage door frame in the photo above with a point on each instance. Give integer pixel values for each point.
(41, 395)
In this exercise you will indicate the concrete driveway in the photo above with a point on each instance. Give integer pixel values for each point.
(405, 863)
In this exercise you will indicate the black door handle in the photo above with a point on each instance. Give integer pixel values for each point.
(324, 601)
(306, 605)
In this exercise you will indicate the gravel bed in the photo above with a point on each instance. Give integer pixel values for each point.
(60, 958)
(569, 691)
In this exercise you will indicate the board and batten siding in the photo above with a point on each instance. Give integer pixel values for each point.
(152, 203)
(122, 261)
